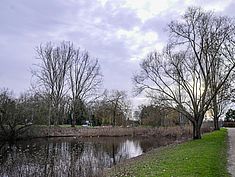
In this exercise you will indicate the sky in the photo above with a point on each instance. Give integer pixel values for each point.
(120, 33)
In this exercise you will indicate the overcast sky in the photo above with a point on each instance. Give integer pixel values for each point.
(118, 32)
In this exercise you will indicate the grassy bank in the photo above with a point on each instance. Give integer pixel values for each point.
(205, 157)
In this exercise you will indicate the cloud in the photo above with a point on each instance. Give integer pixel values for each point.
(119, 33)
(229, 10)
(87, 23)
(151, 8)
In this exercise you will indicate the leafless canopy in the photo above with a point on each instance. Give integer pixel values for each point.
(64, 70)
(201, 45)
(51, 73)
(84, 80)
(84, 75)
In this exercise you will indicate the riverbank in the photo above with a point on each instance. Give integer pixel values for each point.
(204, 157)
(109, 131)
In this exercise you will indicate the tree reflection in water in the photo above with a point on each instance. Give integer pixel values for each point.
(68, 156)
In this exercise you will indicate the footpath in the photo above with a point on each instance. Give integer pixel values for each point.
(231, 151)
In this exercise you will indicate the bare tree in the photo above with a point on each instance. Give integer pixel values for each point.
(51, 74)
(154, 115)
(197, 41)
(112, 109)
(119, 106)
(221, 101)
(84, 80)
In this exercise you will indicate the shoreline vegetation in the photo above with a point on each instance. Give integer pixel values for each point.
(204, 157)
(177, 133)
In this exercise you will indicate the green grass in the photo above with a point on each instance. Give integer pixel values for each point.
(199, 158)
(62, 126)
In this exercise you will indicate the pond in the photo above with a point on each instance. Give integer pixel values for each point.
(64, 157)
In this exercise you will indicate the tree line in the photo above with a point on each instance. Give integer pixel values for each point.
(192, 75)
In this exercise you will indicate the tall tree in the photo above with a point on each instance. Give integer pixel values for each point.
(196, 42)
(221, 101)
(84, 80)
(217, 67)
(51, 74)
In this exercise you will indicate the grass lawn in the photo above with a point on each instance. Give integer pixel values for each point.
(202, 158)
(68, 126)
(62, 126)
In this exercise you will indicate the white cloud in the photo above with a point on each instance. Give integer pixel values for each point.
(215, 5)
(139, 42)
(120, 33)
(147, 9)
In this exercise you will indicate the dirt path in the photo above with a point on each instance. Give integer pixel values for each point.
(231, 152)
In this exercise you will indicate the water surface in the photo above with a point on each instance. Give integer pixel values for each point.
(65, 157)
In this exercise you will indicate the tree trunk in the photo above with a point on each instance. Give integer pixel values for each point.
(114, 118)
(73, 114)
(49, 116)
(73, 120)
(114, 115)
(57, 113)
(197, 130)
(215, 112)
(216, 123)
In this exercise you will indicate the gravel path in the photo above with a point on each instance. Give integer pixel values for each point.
(231, 152)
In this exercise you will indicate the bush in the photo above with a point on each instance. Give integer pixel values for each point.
(228, 124)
